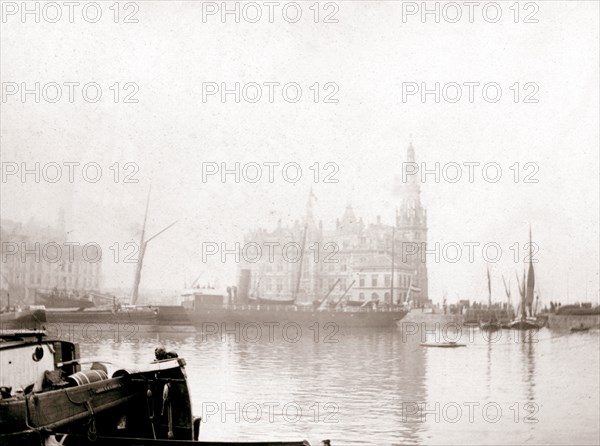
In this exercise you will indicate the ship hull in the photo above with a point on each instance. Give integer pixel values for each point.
(102, 317)
(524, 324)
(172, 315)
(25, 319)
(201, 316)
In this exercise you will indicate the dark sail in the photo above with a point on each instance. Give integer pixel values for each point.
(530, 279)
(489, 288)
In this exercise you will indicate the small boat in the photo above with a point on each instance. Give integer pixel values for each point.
(452, 344)
(491, 325)
(579, 329)
(525, 324)
(526, 290)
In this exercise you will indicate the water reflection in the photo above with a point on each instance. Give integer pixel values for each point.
(384, 388)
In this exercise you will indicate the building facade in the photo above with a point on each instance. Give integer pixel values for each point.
(39, 257)
(353, 262)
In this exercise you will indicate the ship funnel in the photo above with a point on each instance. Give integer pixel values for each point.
(243, 286)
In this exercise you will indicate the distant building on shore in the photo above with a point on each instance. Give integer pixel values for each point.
(354, 259)
(39, 256)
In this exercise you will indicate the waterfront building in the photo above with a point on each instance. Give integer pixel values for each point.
(352, 262)
(39, 256)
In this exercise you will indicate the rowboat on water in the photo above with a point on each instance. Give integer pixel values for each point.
(452, 344)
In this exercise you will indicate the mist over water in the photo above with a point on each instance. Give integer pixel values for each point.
(380, 387)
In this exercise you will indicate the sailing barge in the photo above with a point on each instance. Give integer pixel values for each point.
(50, 396)
(528, 320)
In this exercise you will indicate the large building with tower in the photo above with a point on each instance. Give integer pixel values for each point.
(355, 261)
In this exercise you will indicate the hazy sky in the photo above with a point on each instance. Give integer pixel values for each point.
(369, 53)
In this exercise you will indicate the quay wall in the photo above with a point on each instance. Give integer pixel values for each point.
(431, 320)
(566, 321)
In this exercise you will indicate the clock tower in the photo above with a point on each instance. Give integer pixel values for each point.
(411, 225)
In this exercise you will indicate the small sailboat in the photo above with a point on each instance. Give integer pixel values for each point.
(527, 292)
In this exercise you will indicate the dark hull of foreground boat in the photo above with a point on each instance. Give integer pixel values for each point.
(132, 405)
(201, 316)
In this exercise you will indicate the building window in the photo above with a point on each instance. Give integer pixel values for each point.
(361, 296)
(279, 285)
(374, 280)
(361, 281)
(374, 296)
(388, 279)
(268, 285)
(343, 266)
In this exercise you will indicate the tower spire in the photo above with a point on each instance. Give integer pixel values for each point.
(411, 221)
(410, 152)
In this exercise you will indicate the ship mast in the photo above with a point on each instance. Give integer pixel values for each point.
(522, 293)
(489, 288)
(138, 267)
(507, 290)
(311, 195)
(143, 243)
(392, 281)
(301, 262)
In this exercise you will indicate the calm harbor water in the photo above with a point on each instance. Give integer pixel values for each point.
(380, 387)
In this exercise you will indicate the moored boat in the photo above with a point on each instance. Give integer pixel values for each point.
(47, 388)
(202, 313)
(579, 329)
(527, 321)
(451, 344)
(32, 317)
(139, 315)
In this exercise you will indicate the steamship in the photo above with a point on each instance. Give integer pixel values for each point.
(210, 306)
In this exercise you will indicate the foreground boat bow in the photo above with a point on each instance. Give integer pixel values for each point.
(47, 398)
